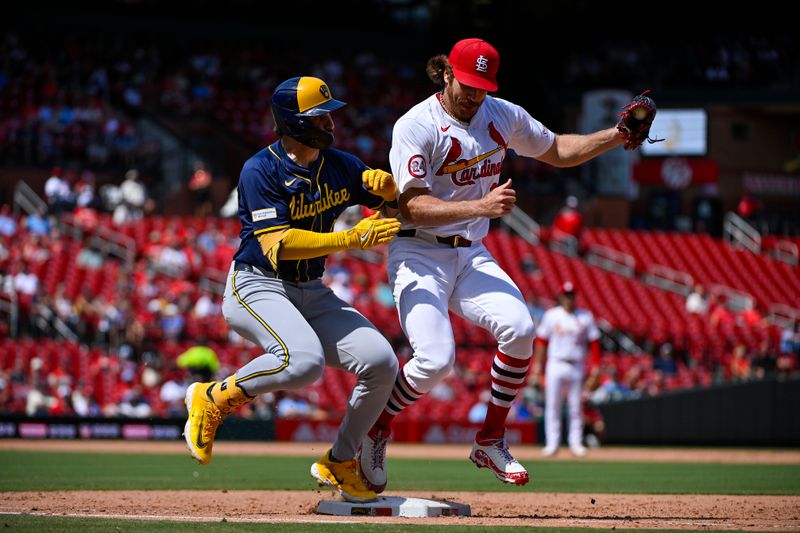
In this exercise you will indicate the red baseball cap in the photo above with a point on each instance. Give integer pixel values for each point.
(475, 63)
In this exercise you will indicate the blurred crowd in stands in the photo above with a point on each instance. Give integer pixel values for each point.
(143, 330)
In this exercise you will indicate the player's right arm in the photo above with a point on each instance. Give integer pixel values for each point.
(271, 221)
(294, 243)
(418, 206)
(410, 155)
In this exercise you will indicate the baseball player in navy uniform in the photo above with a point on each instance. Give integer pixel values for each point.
(290, 194)
(564, 334)
(447, 155)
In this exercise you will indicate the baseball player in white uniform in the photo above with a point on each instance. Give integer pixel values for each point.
(565, 333)
(447, 154)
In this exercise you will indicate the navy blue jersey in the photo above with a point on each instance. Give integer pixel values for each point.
(276, 194)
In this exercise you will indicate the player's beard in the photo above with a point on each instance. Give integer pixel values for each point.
(463, 108)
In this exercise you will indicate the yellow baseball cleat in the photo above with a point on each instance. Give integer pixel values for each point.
(207, 407)
(344, 477)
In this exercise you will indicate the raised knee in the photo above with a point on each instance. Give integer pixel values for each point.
(517, 336)
(441, 368)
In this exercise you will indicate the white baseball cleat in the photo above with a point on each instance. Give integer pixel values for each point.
(578, 450)
(549, 451)
(372, 459)
(499, 460)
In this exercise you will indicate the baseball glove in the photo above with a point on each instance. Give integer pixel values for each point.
(635, 120)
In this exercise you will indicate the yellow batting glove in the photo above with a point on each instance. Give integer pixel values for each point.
(372, 231)
(381, 183)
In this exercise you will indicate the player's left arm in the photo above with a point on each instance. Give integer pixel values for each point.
(543, 333)
(593, 336)
(569, 150)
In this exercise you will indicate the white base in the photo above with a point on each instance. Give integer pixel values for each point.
(394, 506)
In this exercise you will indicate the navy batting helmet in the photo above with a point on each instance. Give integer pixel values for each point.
(294, 101)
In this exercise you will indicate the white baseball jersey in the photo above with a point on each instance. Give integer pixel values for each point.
(456, 162)
(567, 333)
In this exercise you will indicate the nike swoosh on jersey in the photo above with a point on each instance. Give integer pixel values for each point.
(444, 128)
(290, 182)
(365, 236)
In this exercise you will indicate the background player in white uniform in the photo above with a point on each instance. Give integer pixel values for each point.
(565, 332)
(447, 153)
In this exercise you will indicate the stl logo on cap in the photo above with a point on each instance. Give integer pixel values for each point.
(475, 64)
(567, 287)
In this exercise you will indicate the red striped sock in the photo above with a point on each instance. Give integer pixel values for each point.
(403, 395)
(508, 376)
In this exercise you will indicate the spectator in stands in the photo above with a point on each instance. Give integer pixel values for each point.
(173, 258)
(37, 224)
(173, 392)
(477, 413)
(790, 339)
(748, 207)
(206, 306)
(133, 198)
(340, 285)
(696, 302)
(529, 266)
(200, 186)
(8, 225)
(536, 308)
(382, 294)
(263, 407)
(764, 361)
(172, 322)
(740, 364)
(5, 391)
(199, 360)
(750, 317)
(293, 404)
(58, 193)
(26, 284)
(63, 308)
(89, 256)
(665, 361)
(569, 220)
(134, 404)
(720, 315)
(84, 191)
(610, 389)
(39, 401)
(83, 403)
(533, 397)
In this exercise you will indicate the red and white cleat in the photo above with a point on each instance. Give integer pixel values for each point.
(498, 459)
(372, 459)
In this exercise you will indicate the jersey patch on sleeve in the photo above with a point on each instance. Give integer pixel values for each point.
(416, 166)
(264, 214)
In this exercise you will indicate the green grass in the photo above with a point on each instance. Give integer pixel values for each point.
(32, 471)
(21, 523)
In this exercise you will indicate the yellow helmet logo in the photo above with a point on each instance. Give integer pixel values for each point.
(311, 92)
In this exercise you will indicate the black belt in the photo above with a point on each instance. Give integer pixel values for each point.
(453, 241)
(245, 267)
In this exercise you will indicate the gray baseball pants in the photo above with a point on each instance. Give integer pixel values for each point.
(302, 327)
